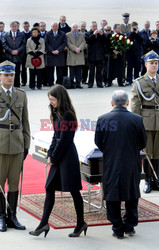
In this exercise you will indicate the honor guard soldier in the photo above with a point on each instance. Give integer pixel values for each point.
(14, 143)
(145, 102)
(126, 26)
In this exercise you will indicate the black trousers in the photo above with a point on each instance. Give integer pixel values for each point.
(130, 218)
(50, 75)
(17, 75)
(24, 71)
(98, 66)
(134, 62)
(76, 74)
(85, 69)
(33, 73)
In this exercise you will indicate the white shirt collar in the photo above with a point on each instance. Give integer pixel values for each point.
(5, 90)
(14, 33)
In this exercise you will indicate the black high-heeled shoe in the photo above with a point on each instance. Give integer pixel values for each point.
(83, 228)
(45, 229)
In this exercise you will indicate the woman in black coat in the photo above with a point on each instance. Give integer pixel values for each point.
(64, 173)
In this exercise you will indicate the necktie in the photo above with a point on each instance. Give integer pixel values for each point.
(55, 34)
(8, 96)
(153, 80)
(13, 37)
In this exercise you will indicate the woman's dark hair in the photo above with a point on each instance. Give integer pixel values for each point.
(64, 102)
(35, 29)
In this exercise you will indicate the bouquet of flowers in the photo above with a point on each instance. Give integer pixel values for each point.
(120, 42)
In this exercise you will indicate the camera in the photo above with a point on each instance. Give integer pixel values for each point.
(134, 29)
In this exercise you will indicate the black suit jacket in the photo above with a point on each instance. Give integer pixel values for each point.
(120, 135)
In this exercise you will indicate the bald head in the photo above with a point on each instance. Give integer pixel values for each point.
(54, 26)
(120, 98)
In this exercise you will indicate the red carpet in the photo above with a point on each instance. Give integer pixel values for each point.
(63, 214)
(34, 177)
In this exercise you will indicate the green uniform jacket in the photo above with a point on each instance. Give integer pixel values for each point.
(125, 29)
(14, 142)
(150, 116)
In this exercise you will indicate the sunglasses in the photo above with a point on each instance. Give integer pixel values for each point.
(107, 30)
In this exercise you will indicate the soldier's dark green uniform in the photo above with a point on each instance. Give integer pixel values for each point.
(145, 102)
(14, 143)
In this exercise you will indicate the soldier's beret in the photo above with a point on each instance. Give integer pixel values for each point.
(150, 56)
(7, 67)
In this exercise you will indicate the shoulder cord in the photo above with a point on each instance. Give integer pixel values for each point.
(9, 109)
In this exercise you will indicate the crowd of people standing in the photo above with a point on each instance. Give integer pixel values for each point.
(88, 55)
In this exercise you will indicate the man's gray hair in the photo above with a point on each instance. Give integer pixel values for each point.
(119, 98)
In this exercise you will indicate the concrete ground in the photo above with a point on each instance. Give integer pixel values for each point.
(89, 104)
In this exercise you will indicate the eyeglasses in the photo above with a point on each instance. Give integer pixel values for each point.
(107, 30)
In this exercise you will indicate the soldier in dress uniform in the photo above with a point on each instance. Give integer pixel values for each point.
(14, 143)
(145, 102)
(126, 26)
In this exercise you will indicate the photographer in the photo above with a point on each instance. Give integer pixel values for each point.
(153, 43)
(134, 54)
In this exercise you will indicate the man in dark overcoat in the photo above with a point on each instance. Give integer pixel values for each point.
(14, 45)
(55, 44)
(95, 39)
(120, 135)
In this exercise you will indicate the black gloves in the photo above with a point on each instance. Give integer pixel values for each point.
(25, 152)
(31, 53)
(36, 54)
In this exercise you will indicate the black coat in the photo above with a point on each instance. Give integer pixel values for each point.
(19, 45)
(55, 43)
(1, 51)
(65, 29)
(95, 46)
(65, 172)
(137, 39)
(120, 135)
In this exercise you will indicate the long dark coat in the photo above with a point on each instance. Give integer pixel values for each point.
(95, 46)
(19, 45)
(64, 174)
(55, 43)
(120, 135)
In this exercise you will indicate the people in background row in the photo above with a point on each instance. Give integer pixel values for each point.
(55, 42)
(35, 50)
(75, 55)
(14, 44)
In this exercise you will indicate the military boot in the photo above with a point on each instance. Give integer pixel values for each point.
(147, 170)
(12, 221)
(155, 182)
(3, 227)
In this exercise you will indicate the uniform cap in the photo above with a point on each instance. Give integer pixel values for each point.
(150, 56)
(7, 67)
(126, 15)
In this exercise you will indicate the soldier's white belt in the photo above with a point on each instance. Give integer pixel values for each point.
(11, 126)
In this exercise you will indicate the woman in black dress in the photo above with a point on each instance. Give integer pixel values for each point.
(64, 173)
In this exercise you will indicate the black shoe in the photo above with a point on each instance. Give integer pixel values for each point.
(100, 86)
(147, 187)
(130, 233)
(45, 229)
(79, 87)
(3, 227)
(32, 88)
(128, 84)
(23, 84)
(90, 86)
(118, 236)
(83, 228)
(39, 87)
(12, 222)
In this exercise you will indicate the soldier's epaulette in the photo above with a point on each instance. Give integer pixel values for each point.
(20, 89)
(139, 78)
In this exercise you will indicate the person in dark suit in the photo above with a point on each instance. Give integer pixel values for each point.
(120, 135)
(95, 39)
(55, 44)
(133, 55)
(64, 173)
(27, 34)
(14, 45)
(145, 34)
(64, 27)
(1, 51)
(43, 31)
